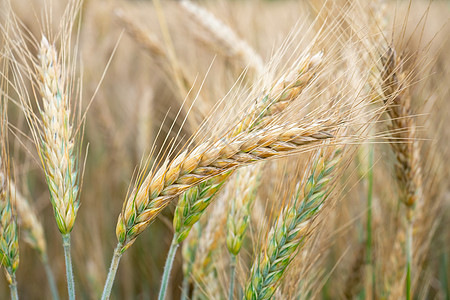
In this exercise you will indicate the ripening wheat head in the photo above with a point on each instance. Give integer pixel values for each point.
(57, 147)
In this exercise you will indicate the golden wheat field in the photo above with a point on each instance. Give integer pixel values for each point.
(224, 149)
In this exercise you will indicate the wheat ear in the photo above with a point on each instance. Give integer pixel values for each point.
(289, 233)
(9, 243)
(246, 182)
(206, 161)
(405, 147)
(34, 233)
(57, 150)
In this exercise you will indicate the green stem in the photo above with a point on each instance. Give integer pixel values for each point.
(232, 276)
(69, 270)
(13, 287)
(50, 278)
(369, 220)
(185, 288)
(409, 250)
(112, 272)
(168, 267)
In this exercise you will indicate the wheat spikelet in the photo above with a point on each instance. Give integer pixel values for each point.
(289, 233)
(205, 161)
(57, 149)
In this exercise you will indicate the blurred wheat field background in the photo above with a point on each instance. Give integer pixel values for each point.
(224, 149)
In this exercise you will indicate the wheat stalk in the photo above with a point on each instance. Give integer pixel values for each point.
(188, 251)
(289, 233)
(284, 91)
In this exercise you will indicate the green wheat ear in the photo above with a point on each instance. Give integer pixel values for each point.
(289, 233)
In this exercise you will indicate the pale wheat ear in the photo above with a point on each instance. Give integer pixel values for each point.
(54, 127)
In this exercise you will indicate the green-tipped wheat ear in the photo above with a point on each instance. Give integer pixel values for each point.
(57, 149)
(289, 233)
(405, 147)
(34, 233)
(9, 244)
(207, 160)
(246, 182)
